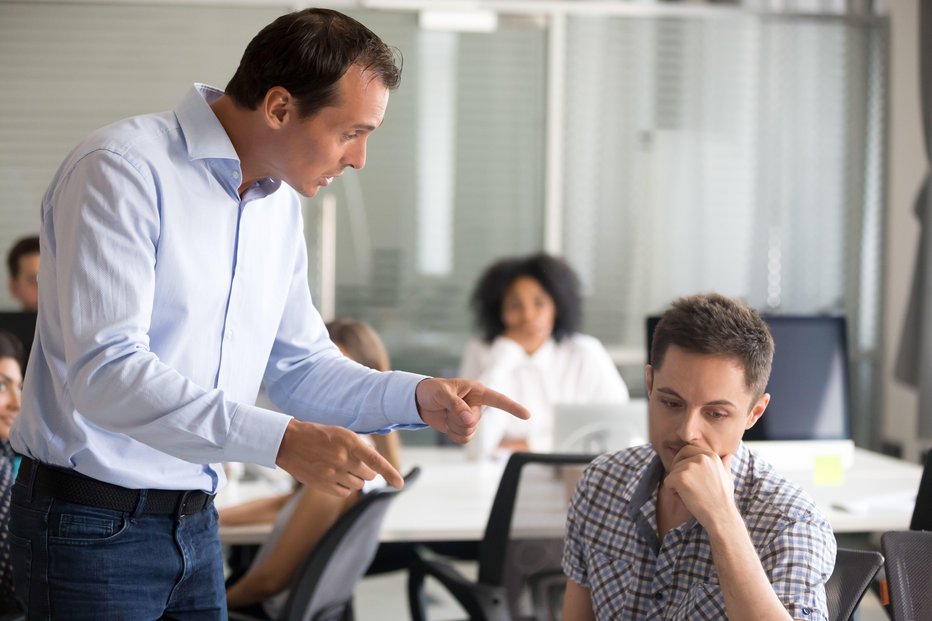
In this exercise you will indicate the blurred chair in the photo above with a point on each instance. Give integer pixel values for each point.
(323, 590)
(909, 573)
(522, 548)
(854, 571)
(922, 512)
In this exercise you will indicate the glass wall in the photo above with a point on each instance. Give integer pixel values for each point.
(699, 150)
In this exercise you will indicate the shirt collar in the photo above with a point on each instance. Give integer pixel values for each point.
(203, 133)
(642, 490)
(207, 139)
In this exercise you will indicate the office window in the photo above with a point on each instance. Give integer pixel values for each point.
(67, 69)
(453, 181)
(740, 155)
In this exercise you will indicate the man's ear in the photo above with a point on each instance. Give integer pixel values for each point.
(648, 378)
(277, 105)
(758, 410)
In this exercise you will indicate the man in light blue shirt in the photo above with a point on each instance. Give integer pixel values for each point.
(174, 282)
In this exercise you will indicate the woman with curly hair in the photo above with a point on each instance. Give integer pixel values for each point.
(529, 311)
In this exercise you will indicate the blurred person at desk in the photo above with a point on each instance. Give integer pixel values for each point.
(176, 265)
(303, 516)
(11, 386)
(23, 265)
(529, 311)
(693, 525)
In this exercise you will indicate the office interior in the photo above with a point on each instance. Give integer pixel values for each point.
(768, 150)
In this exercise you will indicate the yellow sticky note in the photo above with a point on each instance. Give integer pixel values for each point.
(829, 470)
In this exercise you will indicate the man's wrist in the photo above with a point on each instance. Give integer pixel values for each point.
(727, 525)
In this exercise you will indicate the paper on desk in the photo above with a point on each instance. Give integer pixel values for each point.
(828, 470)
(900, 502)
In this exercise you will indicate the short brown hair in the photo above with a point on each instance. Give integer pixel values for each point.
(306, 53)
(720, 326)
(23, 247)
(360, 342)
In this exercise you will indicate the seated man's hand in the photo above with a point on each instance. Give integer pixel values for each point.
(454, 406)
(703, 482)
(331, 459)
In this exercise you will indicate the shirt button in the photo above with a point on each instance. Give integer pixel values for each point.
(807, 611)
(235, 175)
(658, 596)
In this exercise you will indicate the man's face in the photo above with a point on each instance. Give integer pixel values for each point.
(699, 399)
(310, 151)
(25, 287)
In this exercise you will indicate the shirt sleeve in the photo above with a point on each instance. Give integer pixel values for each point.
(605, 383)
(310, 379)
(799, 562)
(574, 552)
(107, 226)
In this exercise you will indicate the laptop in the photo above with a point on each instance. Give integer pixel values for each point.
(599, 427)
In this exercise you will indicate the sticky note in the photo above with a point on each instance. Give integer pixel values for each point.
(829, 470)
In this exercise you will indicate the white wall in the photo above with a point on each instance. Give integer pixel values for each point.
(907, 164)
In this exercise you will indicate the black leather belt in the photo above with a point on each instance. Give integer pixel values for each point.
(72, 486)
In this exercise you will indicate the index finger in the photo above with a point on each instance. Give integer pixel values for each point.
(382, 466)
(500, 401)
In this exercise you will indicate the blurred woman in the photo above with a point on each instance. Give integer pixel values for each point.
(529, 312)
(302, 517)
(11, 387)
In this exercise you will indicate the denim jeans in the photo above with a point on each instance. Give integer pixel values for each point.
(73, 561)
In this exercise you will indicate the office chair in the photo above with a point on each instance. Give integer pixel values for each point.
(854, 571)
(323, 590)
(909, 573)
(922, 512)
(522, 546)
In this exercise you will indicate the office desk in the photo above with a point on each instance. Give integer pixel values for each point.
(452, 499)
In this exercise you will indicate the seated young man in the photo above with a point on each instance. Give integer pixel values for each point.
(693, 526)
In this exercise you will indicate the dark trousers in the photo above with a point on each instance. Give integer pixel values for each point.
(72, 561)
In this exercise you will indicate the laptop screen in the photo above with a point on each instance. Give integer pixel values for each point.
(809, 382)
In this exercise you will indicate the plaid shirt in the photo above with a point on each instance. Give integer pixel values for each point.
(612, 546)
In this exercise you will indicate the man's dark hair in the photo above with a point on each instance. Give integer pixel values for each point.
(22, 247)
(11, 347)
(307, 52)
(556, 277)
(720, 326)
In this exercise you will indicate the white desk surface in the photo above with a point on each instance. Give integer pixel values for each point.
(453, 496)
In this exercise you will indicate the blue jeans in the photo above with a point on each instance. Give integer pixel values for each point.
(73, 561)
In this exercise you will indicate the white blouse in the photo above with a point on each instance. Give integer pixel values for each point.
(575, 370)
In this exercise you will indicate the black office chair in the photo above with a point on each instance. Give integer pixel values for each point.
(854, 571)
(922, 512)
(523, 543)
(323, 590)
(909, 573)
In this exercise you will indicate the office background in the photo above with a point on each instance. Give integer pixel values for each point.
(664, 149)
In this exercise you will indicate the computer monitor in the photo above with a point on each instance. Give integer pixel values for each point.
(809, 394)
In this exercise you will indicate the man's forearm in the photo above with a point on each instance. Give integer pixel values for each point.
(748, 593)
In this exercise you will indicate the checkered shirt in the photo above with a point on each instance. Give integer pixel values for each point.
(612, 546)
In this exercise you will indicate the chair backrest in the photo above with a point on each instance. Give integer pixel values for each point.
(854, 571)
(524, 535)
(324, 588)
(922, 513)
(909, 573)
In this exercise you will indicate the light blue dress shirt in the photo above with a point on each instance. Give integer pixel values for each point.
(165, 300)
